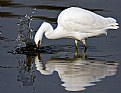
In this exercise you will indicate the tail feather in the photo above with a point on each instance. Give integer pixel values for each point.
(112, 23)
(111, 20)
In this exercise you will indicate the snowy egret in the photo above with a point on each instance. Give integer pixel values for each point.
(76, 23)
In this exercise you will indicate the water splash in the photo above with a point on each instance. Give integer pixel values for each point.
(1, 36)
(25, 31)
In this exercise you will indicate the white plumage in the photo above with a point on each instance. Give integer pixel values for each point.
(76, 23)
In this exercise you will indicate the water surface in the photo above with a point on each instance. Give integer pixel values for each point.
(54, 68)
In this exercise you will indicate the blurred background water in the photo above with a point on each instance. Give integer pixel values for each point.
(55, 68)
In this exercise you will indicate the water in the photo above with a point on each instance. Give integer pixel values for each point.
(55, 68)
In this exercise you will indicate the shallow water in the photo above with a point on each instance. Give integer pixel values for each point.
(55, 68)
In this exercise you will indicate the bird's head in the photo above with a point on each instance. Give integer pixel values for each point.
(38, 37)
(45, 27)
(37, 42)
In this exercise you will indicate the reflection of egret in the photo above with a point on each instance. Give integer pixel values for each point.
(77, 73)
(78, 24)
(39, 66)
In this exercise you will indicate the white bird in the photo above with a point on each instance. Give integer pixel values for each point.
(76, 23)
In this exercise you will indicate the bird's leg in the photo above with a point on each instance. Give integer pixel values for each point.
(76, 46)
(85, 45)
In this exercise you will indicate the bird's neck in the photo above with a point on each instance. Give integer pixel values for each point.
(44, 28)
(50, 33)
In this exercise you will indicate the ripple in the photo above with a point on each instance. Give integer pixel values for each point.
(9, 14)
(51, 49)
(8, 3)
(53, 20)
(48, 7)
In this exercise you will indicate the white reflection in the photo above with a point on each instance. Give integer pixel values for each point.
(77, 73)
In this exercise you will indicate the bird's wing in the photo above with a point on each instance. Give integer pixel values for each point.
(81, 20)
